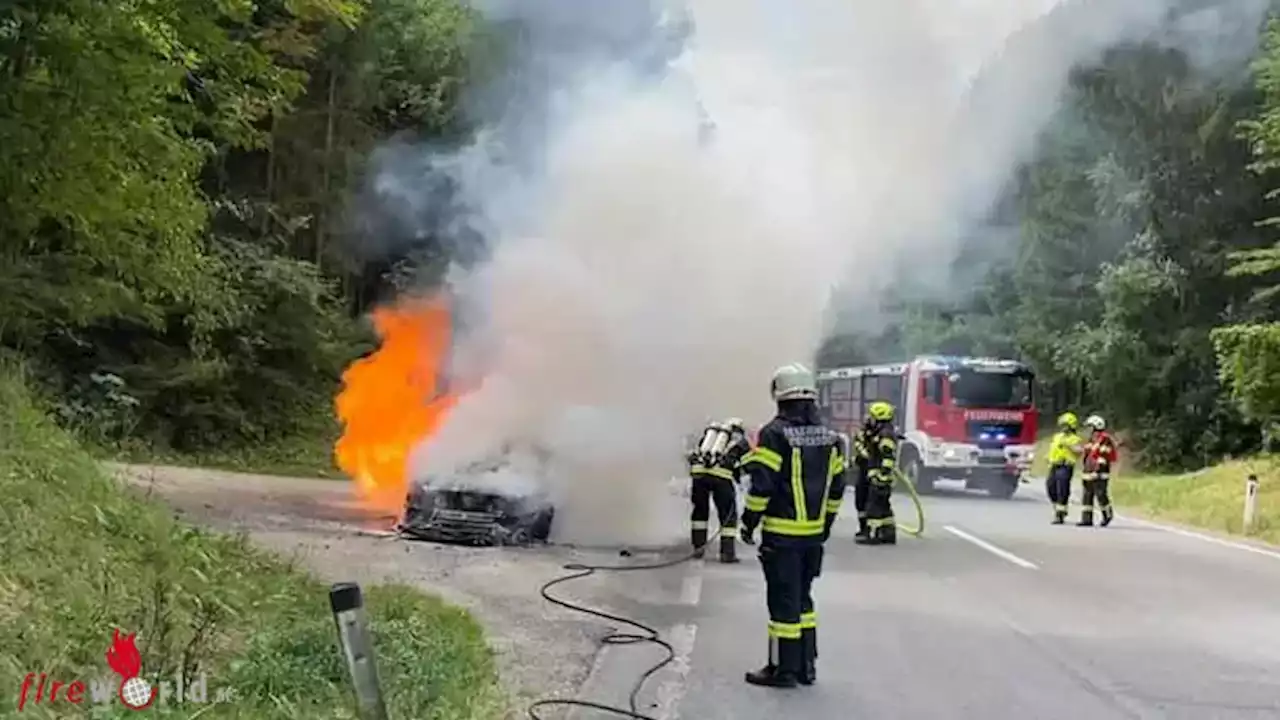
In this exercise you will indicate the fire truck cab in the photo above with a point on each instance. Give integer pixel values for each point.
(969, 419)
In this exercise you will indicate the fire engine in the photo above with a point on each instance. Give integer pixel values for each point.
(961, 418)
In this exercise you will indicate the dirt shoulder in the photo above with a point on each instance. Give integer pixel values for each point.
(541, 649)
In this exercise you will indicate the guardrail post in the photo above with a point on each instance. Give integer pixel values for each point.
(357, 648)
(1250, 502)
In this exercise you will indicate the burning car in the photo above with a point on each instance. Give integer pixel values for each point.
(498, 500)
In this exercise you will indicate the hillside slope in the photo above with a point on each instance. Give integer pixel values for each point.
(81, 556)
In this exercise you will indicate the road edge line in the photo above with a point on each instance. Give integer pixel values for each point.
(1174, 530)
(671, 692)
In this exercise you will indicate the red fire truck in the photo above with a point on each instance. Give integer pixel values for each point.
(963, 418)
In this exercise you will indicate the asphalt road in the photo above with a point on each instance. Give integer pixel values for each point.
(994, 615)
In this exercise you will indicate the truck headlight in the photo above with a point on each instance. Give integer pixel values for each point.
(949, 454)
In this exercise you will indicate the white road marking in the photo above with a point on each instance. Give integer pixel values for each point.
(672, 690)
(1206, 538)
(999, 552)
(691, 587)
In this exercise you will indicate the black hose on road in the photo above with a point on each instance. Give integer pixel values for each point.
(646, 634)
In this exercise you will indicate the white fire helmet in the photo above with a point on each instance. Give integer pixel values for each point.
(1096, 422)
(794, 382)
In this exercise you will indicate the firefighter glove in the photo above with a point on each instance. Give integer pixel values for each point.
(747, 533)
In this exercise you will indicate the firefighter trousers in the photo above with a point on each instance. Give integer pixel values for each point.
(881, 525)
(707, 489)
(861, 490)
(790, 566)
(1058, 488)
(1096, 490)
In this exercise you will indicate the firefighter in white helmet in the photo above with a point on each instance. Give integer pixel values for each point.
(797, 481)
(1099, 457)
(713, 470)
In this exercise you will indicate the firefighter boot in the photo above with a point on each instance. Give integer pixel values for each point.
(889, 534)
(863, 529)
(699, 539)
(1107, 516)
(1086, 518)
(785, 660)
(1059, 517)
(809, 647)
(728, 549)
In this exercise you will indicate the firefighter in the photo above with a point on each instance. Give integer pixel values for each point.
(1064, 451)
(797, 479)
(714, 477)
(880, 445)
(1099, 457)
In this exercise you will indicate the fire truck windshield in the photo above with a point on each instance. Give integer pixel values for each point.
(991, 390)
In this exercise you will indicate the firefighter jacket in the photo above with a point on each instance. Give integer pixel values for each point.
(877, 448)
(724, 467)
(1062, 448)
(797, 476)
(1099, 456)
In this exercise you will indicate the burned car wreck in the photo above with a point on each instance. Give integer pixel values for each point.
(491, 502)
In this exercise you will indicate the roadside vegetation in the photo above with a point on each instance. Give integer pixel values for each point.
(1212, 498)
(182, 246)
(81, 555)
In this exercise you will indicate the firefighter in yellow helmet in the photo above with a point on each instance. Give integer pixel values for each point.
(797, 480)
(1064, 452)
(879, 448)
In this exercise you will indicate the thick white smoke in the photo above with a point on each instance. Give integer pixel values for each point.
(648, 279)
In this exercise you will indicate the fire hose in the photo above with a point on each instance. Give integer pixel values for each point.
(646, 635)
(918, 530)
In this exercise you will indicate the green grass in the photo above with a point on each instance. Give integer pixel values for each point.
(1212, 499)
(79, 556)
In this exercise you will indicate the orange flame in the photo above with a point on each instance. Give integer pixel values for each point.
(123, 656)
(391, 400)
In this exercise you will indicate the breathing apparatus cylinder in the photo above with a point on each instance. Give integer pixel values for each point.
(715, 439)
